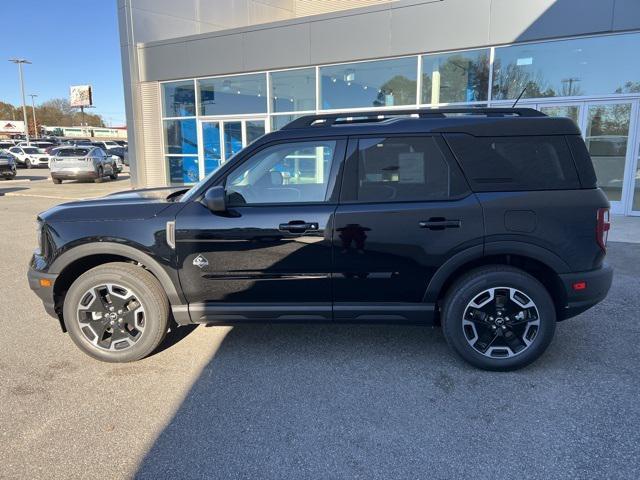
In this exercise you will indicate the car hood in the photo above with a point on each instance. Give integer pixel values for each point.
(121, 206)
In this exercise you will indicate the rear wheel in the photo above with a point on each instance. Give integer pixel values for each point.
(100, 177)
(114, 175)
(498, 318)
(117, 312)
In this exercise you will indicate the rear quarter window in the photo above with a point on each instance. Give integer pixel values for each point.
(515, 163)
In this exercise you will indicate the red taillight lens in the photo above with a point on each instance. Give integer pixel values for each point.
(602, 227)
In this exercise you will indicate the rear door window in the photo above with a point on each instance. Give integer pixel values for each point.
(402, 169)
(515, 163)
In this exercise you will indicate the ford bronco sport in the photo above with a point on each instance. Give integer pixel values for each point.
(488, 221)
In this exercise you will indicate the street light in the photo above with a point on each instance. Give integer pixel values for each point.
(33, 109)
(19, 62)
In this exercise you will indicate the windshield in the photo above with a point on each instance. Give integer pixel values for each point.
(30, 150)
(73, 152)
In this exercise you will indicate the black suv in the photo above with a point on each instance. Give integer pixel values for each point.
(488, 221)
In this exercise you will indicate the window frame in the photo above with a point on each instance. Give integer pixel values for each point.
(335, 173)
(349, 187)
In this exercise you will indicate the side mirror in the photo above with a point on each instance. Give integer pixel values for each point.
(215, 199)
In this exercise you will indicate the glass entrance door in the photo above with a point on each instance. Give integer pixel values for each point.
(610, 130)
(606, 133)
(221, 139)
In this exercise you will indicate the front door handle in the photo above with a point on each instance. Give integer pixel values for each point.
(298, 226)
(437, 223)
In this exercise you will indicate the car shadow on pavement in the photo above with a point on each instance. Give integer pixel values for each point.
(307, 401)
(4, 190)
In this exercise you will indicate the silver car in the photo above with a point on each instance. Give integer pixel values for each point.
(82, 163)
(7, 165)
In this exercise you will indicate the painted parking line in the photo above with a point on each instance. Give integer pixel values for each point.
(57, 197)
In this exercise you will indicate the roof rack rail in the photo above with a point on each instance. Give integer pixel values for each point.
(328, 119)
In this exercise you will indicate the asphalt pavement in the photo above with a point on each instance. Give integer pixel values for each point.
(309, 402)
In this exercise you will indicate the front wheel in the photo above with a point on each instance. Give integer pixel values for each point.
(498, 318)
(28, 163)
(57, 181)
(116, 312)
(114, 175)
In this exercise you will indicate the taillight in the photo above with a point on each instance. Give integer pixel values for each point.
(602, 227)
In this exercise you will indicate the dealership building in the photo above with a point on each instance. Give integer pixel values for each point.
(203, 78)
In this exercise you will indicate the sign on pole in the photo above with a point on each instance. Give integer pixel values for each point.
(80, 96)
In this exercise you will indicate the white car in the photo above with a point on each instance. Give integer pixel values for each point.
(30, 156)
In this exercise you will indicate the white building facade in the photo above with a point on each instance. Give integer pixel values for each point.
(205, 77)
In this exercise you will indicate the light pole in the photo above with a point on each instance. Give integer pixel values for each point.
(33, 109)
(20, 61)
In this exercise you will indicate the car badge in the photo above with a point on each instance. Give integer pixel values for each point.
(200, 262)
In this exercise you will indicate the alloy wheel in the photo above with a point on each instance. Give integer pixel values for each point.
(111, 317)
(501, 322)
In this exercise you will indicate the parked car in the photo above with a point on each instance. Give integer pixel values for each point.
(6, 144)
(106, 145)
(41, 145)
(82, 163)
(30, 157)
(7, 165)
(122, 143)
(488, 221)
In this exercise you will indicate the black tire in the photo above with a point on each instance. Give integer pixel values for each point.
(114, 175)
(143, 286)
(468, 288)
(100, 177)
(57, 181)
(28, 163)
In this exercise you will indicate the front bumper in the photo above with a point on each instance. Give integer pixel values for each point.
(44, 292)
(598, 283)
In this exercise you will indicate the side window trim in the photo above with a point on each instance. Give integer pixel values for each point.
(335, 173)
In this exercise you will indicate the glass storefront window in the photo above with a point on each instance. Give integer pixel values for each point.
(293, 90)
(606, 136)
(178, 99)
(180, 137)
(239, 94)
(566, 68)
(455, 77)
(183, 169)
(382, 83)
(569, 111)
(279, 121)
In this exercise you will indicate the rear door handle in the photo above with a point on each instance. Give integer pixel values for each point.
(298, 226)
(439, 224)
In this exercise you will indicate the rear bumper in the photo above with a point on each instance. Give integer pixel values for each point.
(74, 175)
(598, 283)
(44, 293)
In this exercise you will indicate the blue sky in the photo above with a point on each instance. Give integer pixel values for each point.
(70, 42)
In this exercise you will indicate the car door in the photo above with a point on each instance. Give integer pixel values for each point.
(268, 256)
(405, 208)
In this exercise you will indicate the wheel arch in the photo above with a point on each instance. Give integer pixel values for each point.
(78, 260)
(540, 263)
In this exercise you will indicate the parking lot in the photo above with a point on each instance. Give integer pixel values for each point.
(295, 401)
